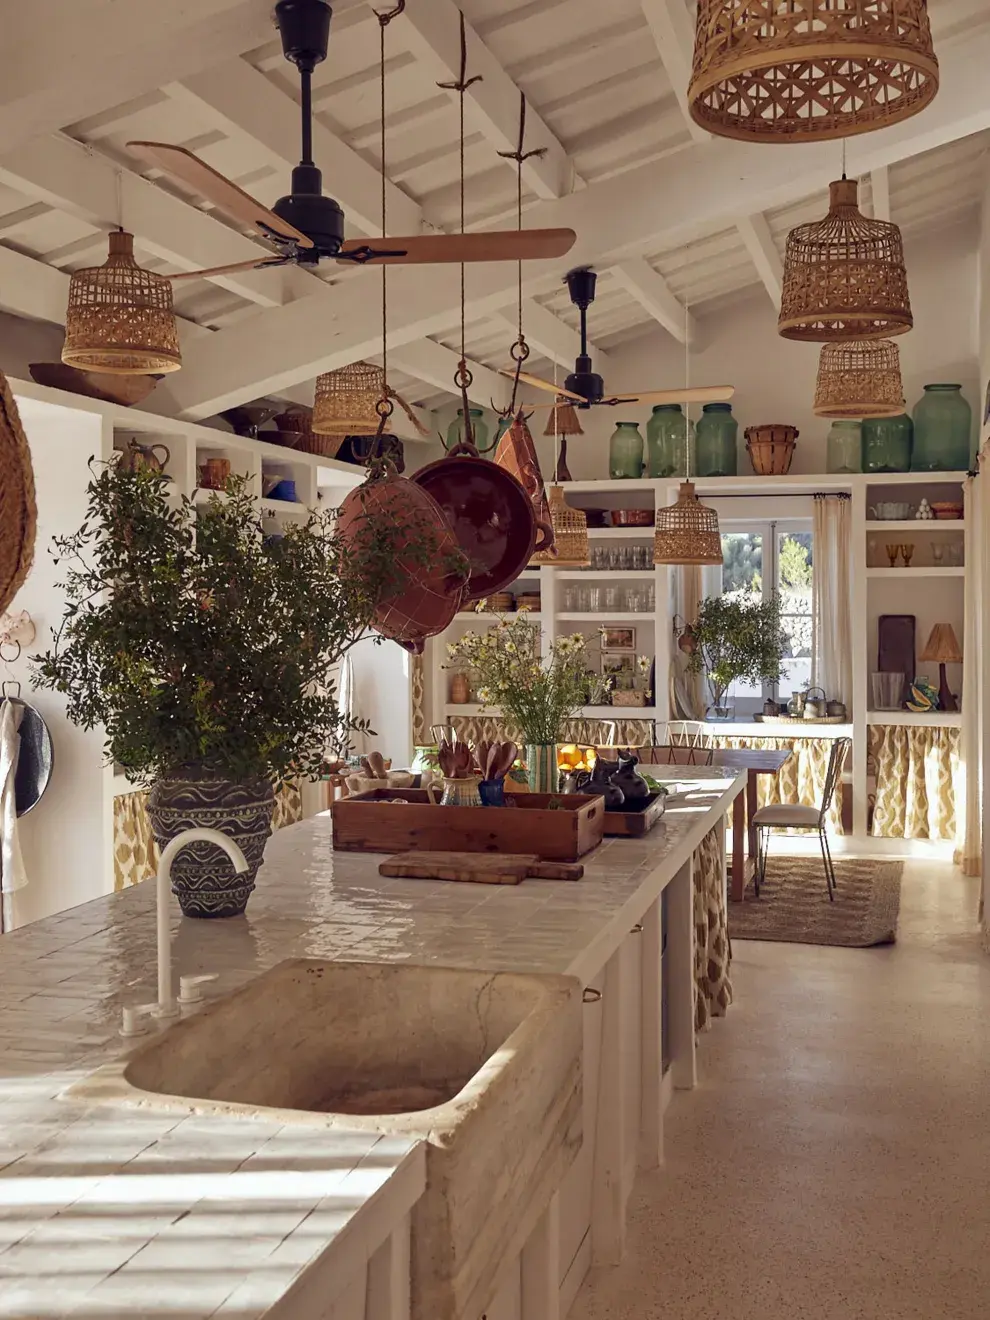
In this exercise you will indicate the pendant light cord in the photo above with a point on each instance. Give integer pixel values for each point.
(520, 349)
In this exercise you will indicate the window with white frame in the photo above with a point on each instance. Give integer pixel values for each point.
(758, 559)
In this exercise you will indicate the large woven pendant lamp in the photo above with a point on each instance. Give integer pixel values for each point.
(860, 378)
(571, 548)
(346, 400)
(120, 318)
(844, 276)
(810, 70)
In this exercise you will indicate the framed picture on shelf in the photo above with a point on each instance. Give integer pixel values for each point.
(619, 640)
(618, 663)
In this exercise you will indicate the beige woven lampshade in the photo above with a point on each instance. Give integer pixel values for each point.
(687, 532)
(563, 420)
(570, 528)
(345, 400)
(860, 378)
(120, 318)
(810, 70)
(844, 276)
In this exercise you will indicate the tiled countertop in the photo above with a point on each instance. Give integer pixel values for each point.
(110, 1211)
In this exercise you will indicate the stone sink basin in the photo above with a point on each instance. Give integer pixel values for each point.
(484, 1067)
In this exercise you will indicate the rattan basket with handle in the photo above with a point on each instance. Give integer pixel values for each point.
(18, 510)
(771, 448)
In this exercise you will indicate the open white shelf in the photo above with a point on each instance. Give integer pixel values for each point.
(621, 533)
(472, 616)
(932, 718)
(918, 525)
(615, 616)
(280, 507)
(915, 572)
(586, 712)
(583, 574)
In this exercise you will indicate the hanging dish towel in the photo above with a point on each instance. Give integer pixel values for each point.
(12, 873)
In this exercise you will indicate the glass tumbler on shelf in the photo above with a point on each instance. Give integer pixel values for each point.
(943, 423)
(591, 601)
(625, 452)
(716, 441)
(887, 691)
(611, 598)
(887, 444)
(572, 600)
(844, 449)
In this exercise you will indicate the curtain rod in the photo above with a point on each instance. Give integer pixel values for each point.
(794, 495)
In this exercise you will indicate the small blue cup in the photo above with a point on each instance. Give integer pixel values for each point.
(492, 792)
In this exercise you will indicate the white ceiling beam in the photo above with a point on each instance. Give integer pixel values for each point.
(60, 63)
(66, 175)
(673, 33)
(549, 335)
(755, 233)
(431, 32)
(435, 365)
(653, 293)
(243, 102)
(880, 185)
(660, 208)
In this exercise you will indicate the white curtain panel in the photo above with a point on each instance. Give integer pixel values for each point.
(832, 549)
(968, 852)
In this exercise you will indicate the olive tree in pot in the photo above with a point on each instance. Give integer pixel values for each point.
(205, 650)
(736, 638)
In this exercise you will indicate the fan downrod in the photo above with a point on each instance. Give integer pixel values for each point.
(583, 380)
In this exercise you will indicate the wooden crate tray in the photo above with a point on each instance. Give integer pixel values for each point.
(634, 824)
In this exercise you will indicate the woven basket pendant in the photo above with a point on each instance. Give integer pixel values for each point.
(844, 276)
(120, 318)
(571, 548)
(810, 70)
(346, 400)
(687, 532)
(860, 379)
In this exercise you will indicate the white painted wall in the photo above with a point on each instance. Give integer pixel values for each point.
(383, 695)
(66, 839)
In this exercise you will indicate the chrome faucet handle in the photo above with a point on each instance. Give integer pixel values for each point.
(133, 1019)
(189, 987)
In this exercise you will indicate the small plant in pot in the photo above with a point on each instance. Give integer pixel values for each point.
(736, 639)
(205, 650)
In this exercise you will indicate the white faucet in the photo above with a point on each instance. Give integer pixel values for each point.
(168, 1006)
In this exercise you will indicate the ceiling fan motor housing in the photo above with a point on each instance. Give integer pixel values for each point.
(317, 216)
(304, 26)
(581, 286)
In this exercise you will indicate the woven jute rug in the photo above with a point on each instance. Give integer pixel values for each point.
(793, 906)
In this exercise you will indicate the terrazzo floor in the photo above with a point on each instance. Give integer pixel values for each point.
(835, 1159)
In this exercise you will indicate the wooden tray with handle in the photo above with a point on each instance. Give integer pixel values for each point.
(478, 868)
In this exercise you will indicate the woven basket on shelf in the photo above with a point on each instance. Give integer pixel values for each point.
(771, 448)
(623, 698)
(18, 510)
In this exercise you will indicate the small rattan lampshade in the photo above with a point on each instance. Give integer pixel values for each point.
(860, 378)
(120, 317)
(563, 420)
(345, 400)
(687, 532)
(810, 70)
(570, 528)
(844, 276)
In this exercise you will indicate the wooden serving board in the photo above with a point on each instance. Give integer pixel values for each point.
(478, 868)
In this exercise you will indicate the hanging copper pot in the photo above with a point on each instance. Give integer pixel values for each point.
(516, 453)
(426, 595)
(490, 514)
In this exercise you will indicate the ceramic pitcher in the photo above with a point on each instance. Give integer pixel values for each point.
(456, 792)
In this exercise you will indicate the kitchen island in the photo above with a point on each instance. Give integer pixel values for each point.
(107, 1210)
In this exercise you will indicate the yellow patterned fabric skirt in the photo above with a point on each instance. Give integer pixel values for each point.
(712, 951)
(135, 853)
(801, 781)
(919, 782)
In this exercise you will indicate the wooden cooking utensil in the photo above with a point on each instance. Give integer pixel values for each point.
(478, 868)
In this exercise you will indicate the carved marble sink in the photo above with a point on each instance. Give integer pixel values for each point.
(484, 1067)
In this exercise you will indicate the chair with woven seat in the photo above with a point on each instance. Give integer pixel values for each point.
(785, 816)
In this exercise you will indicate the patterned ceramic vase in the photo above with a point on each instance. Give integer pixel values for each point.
(541, 764)
(203, 878)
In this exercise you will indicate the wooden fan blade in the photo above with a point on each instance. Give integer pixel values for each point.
(539, 383)
(436, 249)
(212, 185)
(703, 394)
(232, 269)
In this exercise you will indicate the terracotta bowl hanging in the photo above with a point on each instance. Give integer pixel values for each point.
(491, 515)
(428, 595)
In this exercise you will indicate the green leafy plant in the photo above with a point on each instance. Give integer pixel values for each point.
(737, 639)
(192, 638)
(536, 695)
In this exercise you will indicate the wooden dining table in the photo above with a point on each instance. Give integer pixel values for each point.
(755, 762)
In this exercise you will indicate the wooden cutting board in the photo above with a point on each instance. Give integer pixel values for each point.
(478, 868)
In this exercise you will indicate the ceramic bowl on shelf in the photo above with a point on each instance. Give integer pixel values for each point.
(632, 517)
(124, 390)
(596, 517)
(946, 511)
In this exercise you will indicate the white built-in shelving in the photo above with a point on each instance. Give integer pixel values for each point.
(917, 571)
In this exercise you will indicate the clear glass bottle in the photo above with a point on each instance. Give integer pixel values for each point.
(625, 452)
(887, 444)
(844, 450)
(716, 441)
(669, 437)
(943, 423)
(455, 431)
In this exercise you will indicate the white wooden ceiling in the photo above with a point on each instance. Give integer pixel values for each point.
(671, 219)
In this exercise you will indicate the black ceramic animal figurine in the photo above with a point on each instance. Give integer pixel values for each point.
(634, 787)
(601, 783)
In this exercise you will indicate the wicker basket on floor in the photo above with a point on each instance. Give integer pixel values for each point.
(771, 448)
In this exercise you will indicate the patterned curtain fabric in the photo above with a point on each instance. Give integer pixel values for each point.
(712, 950)
(589, 733)
(135, 853)
(801, 781)
(919, 781)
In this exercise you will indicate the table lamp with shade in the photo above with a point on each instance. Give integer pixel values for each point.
(943, 649)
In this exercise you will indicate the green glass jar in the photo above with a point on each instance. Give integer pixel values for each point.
(887, 443)
(625, 452)
(844, 449)
(669, 438)
(943, 423)
(716, 441)
(455, 431)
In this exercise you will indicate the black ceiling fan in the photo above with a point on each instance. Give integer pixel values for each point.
(307, 226)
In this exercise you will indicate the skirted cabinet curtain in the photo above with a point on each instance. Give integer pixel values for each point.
(832, 621)
(920, 790)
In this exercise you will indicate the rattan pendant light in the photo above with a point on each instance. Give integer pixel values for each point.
(120, 318)
(571, 548)
(844, 276)
(860, 378)
(810, 70)
(346, 400)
